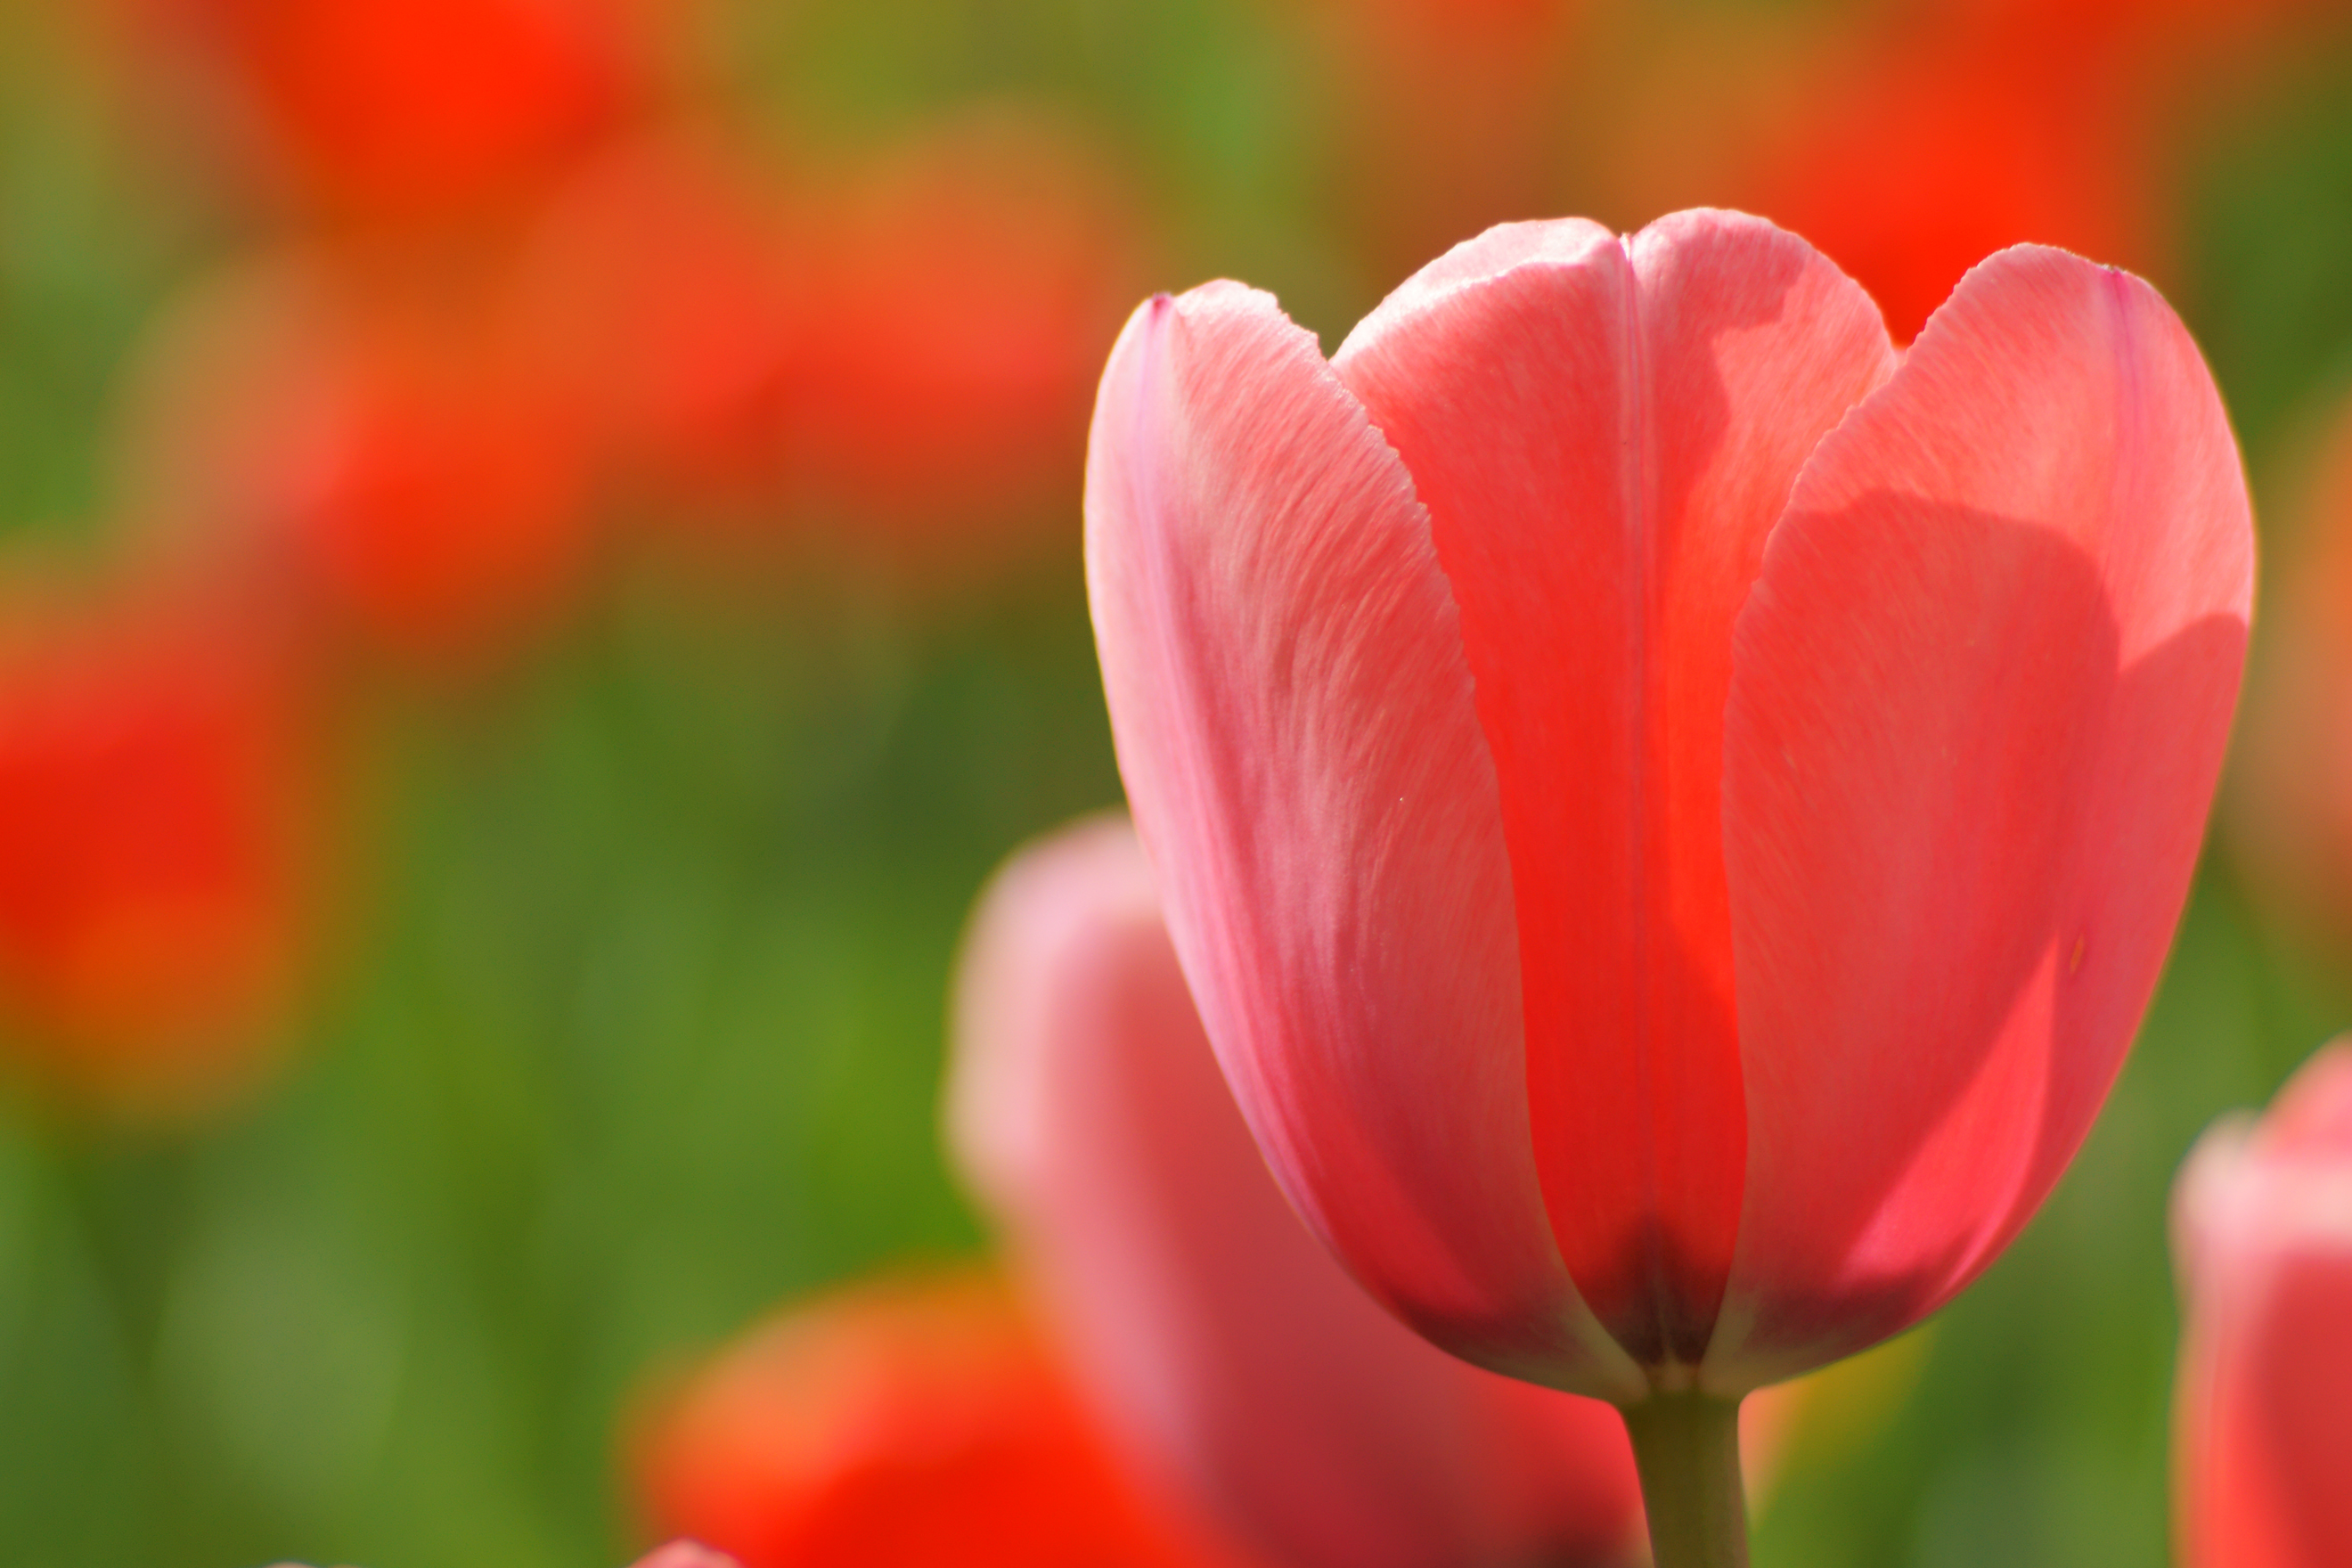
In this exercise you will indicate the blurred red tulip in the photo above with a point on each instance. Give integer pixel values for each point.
(1216, 1335)
(409, 109)
(157, 810)
(1670, 812)
(386, 457)
(664, 284)
(1908, 159)
(967, 291)
(2264, 1237)
(898, 1425)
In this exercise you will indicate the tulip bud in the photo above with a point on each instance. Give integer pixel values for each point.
(898, 1425)
(1212, 1331)
(2262, 1233)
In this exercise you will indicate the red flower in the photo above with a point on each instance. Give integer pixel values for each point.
(2264, 1236)
(667, 284)
(156, 809)
(1914, 157)
(418, 108)
(1671, 814)
(898, 1426)
(965, 292)
(383, 452)
(1212, 1331)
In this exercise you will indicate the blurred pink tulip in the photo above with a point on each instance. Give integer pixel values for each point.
(2263, 1411)
(1670, 812)
(1214, 1334)
(686, 1555)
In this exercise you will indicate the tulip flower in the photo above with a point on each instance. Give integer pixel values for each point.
(2264, 1410)
(1911, 158)
(1212, 1332)
(1670, 812)
(665, 284)
(156, 805)
(966, 287)
(410, 108)
(686, 1555)
(383, 452)
(901, 1424)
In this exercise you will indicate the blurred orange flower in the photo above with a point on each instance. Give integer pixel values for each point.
(1910, 158)
(382, 455)
(967, 288)
(898, 1425)
(408, 109)
(666, 283)
(158, 814)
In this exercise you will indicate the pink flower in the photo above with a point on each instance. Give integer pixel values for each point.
(1214, 1335)
(1670, 812)
(2264, 1235)
(685, 1554)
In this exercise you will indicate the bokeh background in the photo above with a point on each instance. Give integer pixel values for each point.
(540, 574)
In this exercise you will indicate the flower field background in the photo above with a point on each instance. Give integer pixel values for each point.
(542, 576)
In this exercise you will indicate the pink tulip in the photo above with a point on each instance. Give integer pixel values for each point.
(1214, 1335)
(685, 1554)
(2264, 1235)
(1671, 812)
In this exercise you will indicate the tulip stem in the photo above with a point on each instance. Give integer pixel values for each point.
(1686, 1447)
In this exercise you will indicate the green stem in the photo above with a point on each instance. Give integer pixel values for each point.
(1686, 1447)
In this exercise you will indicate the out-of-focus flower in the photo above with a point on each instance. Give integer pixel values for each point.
(1923, 137)
(899, 1426)
(676, 1554)
(967, 288)
(1908, 159)
(2263, 1417)
(408, 109)
(1212, 1329)
(666, 283)
(1670, 814)
(2289, 805)
(381, 454)
(686, 1555)
(159, 812)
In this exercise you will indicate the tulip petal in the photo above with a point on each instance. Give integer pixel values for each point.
(1297, 733)
(1605, 434)
(1980, 696)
